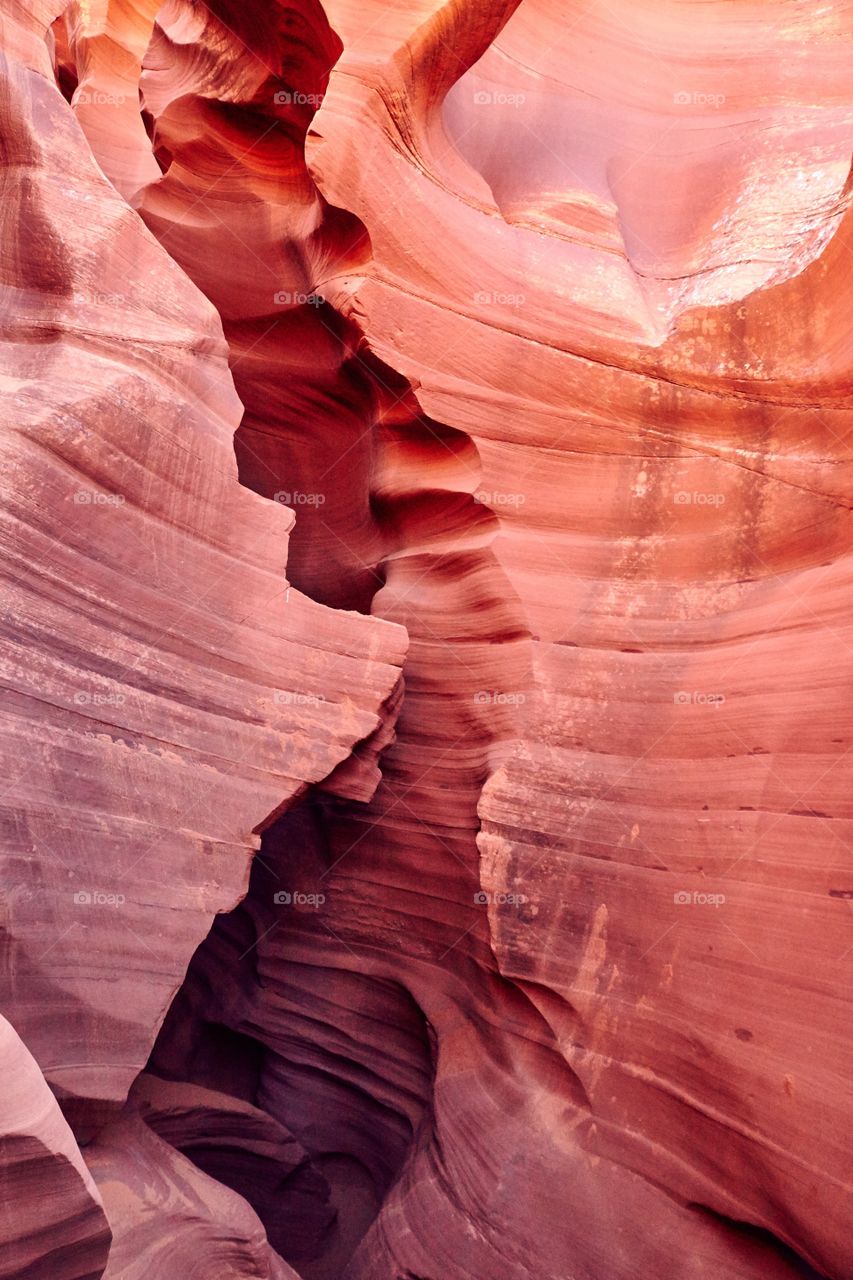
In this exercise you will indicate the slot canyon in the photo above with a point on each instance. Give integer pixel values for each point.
(426, 667)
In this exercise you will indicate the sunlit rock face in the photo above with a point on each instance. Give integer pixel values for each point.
(518, 339)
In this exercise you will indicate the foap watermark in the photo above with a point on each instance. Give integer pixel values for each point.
(94, 498)
(484, 899)
(296, 298)
(684, 98)
(698, 698)
(284, 698)
(294, 498)
(498, 698)
(97, 298)
(83, 699)
(97, 98)
(498, 98)
(293, 98)
(684, 898)
(491, 498)
(96, 898)
(686, 499)
(497, 298)
(284, 898)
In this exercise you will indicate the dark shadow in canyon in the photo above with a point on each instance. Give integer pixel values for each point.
(340, 1062)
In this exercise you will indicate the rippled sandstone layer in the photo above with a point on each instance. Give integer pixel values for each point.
(537, 319)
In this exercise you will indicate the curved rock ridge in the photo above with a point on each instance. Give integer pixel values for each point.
(691, 143)
(663, 855)
(170, 1220)
(247, 1150)
(166, 692)
(546, 343)
(52, 1222)
(392, 492)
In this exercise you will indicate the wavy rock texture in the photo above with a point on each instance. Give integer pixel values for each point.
(539, 323)
(169, 1219)
(52, 1221)
(245, 1148)
(164, 681)
(166, 693)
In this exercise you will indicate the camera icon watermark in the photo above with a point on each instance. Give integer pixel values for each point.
(286, 698)
(683, 898)
(491, 498)
(97, 98)
(696, 698)
(484, 899)
(84, 699)
(95, 298)
(686, 99)
(294, 498)
(95, 898)
(497, 298)
(94, 498)
(294, 298)
(498, 98)
(293, 98)
(684, 499)
(498, 698)
(284, 898)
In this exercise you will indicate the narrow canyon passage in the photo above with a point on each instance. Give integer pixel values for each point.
(350, 990)
(395, 517)
(387, 522)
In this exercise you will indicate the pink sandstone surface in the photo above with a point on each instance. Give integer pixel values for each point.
(507, 346)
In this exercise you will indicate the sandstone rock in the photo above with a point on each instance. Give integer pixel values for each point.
(247, 1150)
(168, 1219)
(52, 1222)
(166, 693)
(547, 347)
(654, 441)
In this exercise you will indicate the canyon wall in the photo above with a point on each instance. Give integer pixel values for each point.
(506, 347)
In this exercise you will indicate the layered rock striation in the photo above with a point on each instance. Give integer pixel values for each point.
(537, 320)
